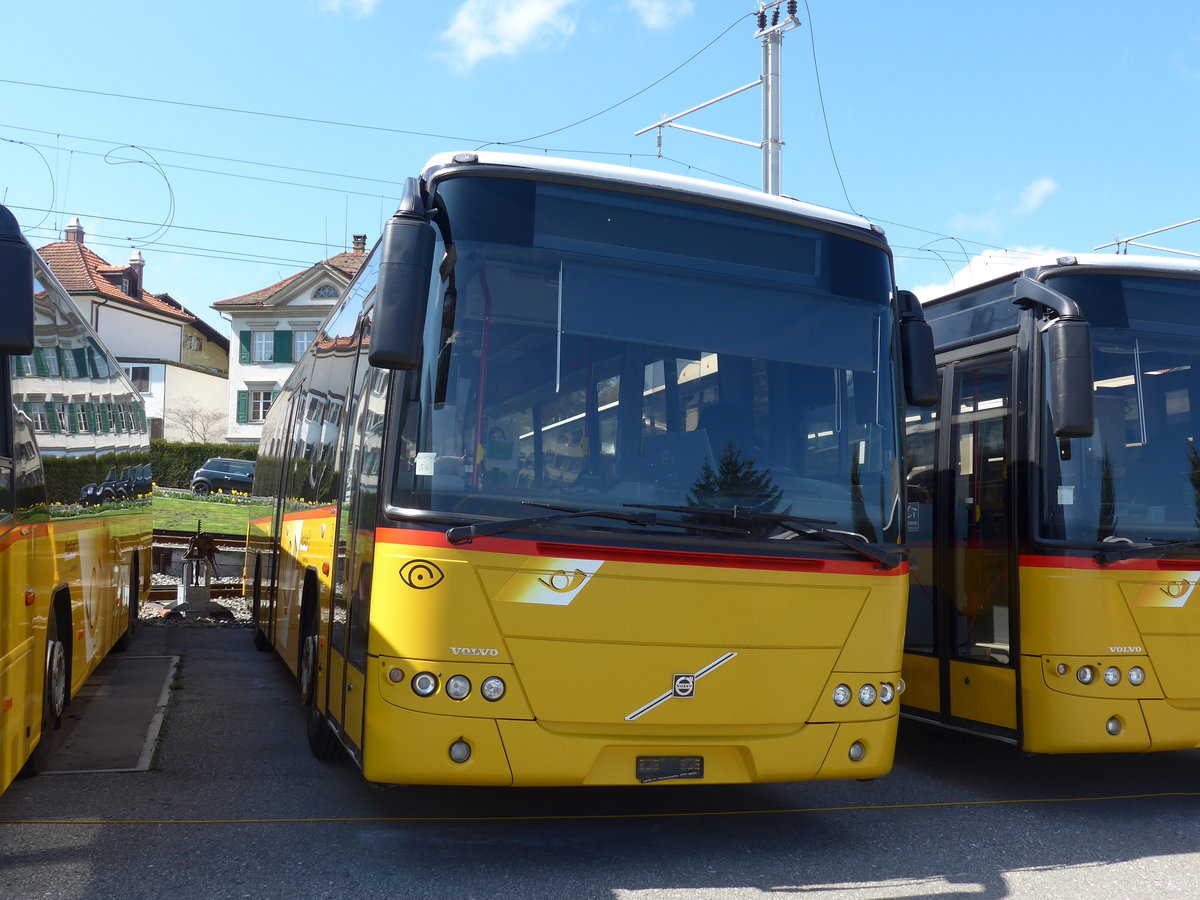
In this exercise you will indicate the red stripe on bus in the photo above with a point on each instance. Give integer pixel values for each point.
(618, 554)
(1120, 565)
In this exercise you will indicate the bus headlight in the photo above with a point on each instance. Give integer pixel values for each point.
(457, 687)
(1085, 674)
(492, 688)
(424, 684)
(1112, 676)
(867, 694)
(887, 693)
(1136, 676)
(841, 695)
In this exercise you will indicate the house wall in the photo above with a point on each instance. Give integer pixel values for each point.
(204, 392)
(210, 355)
(127, 334)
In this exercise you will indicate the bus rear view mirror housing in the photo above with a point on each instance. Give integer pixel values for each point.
(405, 265)
(917, 361)
(16, 288)
(1068, 359)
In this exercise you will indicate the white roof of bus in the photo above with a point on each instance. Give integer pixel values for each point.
(1114, 261)
(648, 178)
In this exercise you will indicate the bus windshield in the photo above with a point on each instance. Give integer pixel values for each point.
(1138, 477)
(589, 349)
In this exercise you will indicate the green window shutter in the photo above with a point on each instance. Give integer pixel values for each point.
(39, 360)
(72, 418)
(243, 407)
(52, 418)
(143, 422)
(283, 347)
(244, 349)
(90, 411)
(28, 407)
(81, 361)
(102, 416)
(62, 361)
(274, 394)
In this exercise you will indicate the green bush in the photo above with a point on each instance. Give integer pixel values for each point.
(174, 463)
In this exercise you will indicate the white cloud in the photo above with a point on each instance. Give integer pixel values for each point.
(1030, 199)
(984, 267)
(357, 8)
(485, 28)
(657, 14)
(1035, 194)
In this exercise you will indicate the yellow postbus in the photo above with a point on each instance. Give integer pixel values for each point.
(74, 544)
(593, 477)
(1054, 507)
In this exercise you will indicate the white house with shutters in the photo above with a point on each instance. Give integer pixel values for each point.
(176, 361)
(271, 328)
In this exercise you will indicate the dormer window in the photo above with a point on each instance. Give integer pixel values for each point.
(325, 292)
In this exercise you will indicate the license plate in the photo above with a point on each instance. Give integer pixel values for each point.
(668, 768)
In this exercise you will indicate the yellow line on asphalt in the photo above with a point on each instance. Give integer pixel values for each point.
(947, 804)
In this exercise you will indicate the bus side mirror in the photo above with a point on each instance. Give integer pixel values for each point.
(1069, 358)
(916, 353)
(405, 266)
(16, 288)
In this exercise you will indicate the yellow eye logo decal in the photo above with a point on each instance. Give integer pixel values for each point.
(562, 582)
(421, 574)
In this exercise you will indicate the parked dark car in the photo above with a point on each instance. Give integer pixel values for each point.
(119, 484)
(224, 475)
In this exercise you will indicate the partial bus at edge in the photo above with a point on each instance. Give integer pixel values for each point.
(1054, 509)
(593, 477)
(74, 564)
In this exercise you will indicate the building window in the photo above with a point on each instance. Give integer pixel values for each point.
(82, 425)
(325, 292)
(262, 346)
(52, 362)
(64, 421)
(191, 342)
(38, 414)
(260, 403)
(140, 376)
(301, 341)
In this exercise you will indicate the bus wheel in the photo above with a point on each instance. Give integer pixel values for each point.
(54, 699)
(322, 740)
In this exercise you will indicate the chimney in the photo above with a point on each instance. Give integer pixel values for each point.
(136, 266)
(74, 232)
(360, 243)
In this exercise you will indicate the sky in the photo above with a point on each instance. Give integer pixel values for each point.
(235, 144)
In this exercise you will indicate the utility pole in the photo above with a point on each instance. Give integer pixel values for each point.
(771, 144)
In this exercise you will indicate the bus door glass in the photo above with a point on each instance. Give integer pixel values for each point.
(982, 683)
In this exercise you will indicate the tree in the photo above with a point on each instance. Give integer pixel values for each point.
(200, 424)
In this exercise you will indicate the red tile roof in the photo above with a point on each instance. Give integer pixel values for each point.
(347, 264)
(83, 272)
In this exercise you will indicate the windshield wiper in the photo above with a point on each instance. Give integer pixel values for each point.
(1106, 557)
(799, 525)
(463, 534)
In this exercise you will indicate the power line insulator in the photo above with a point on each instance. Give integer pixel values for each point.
(792, 8)
(762, 19)
(775, 17)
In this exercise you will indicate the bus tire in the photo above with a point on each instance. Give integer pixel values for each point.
(54, 699)
(322, 740)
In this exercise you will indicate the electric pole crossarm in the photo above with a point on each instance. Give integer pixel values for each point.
(712, 134)
(687, 112)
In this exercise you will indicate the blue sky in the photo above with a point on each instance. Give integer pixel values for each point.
(237, 143)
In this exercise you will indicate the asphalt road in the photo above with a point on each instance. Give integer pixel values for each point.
(232, 805)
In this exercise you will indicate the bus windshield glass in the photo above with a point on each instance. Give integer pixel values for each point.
(1138, 477)
(591, 348)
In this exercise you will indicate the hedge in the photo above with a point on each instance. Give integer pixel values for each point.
(175, 463)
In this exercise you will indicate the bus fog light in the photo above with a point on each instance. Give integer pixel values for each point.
(867, 694)
(841, 695)
(460, 751)
(1113, 726)
(492, 688)
(1062, 668)
(857, 751)
(458, 686)
(1112, 676)
(395, 676)
(1086, 674)
(424, 684)
(900, 686)
(887, 693)
(1136, 676)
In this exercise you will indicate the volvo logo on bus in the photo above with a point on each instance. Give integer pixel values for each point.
(684, 686)
(474, 651)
